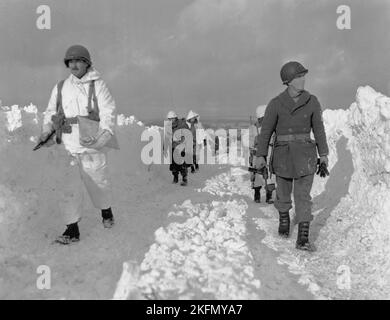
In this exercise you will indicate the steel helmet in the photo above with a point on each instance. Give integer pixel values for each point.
(291, 70)
(192, 114)
(171, 115)
(260, 111)
(77, 52)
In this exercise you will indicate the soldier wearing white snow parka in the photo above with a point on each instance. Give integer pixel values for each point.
(292, 115)
(81, 113)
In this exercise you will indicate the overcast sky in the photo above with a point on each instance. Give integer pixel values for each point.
(218, 57)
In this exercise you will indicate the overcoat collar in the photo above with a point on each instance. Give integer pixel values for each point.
(290, 104)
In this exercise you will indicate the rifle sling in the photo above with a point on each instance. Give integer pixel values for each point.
(93, 113)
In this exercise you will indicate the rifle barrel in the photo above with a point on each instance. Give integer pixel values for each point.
(41, 143)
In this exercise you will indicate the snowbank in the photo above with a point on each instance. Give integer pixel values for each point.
(356, 236)
(228, 184)
(203, 257)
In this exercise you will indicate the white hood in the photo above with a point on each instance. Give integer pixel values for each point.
(92, 74)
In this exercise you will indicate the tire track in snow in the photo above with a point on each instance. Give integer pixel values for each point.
(205, 257)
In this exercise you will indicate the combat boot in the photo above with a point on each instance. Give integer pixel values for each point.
(175, 178)
(303, 237)
(108, 218)
(71, 234)
(284, 224)
(185, 182)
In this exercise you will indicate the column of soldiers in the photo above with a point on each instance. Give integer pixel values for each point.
(283, 126)
(175, 125)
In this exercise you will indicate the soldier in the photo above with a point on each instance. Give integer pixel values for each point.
(173, 131)
(198, 141)
(292, 115)
(82, 95)
(257, 179)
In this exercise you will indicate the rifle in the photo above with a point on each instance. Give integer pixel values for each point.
(271, 157)
(42, 143)
(60, 124)
(263, 171)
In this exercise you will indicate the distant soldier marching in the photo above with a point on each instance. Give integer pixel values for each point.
(194, 124)
(260, 180)
(174, 136)
(292, 115)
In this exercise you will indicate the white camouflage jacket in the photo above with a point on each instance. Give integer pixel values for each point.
(75, 102)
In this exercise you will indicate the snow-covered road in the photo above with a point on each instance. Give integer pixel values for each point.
(207, 240)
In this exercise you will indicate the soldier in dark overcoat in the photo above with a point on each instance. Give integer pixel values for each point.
(292, 115)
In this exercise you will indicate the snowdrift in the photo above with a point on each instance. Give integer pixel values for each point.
(354, 242)
(30, 182)
(204, 257)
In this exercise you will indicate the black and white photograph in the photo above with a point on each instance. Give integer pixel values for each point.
(217, 151)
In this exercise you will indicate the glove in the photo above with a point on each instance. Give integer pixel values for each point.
(60, 123)
(323, 167)
(97, 143)
(324, 159)
(260, 163)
